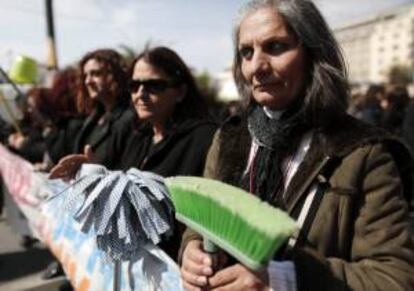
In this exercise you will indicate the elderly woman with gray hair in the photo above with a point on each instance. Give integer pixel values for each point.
(345, 182)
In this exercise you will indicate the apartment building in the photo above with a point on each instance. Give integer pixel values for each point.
(376, 44)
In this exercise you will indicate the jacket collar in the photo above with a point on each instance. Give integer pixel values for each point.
(92, 120)
(330, 145)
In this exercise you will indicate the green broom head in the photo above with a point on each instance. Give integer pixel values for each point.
(238, 222)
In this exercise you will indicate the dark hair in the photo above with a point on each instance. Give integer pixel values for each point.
(115, 65)
(193, 105)
(374, 94)
(397, 96)
(35, 117)
(326, 88)
(60, 103)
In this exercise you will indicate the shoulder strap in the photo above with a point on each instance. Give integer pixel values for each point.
(312, 202)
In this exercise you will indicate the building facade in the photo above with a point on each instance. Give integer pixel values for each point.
(227, 90)
(374, 46)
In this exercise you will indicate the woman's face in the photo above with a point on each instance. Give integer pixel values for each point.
(272, 59)
(153, 93)
(96, 79)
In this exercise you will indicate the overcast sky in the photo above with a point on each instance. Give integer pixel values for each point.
(199, 30)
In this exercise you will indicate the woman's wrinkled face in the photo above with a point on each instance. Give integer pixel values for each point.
(153, 93)
(272, 59)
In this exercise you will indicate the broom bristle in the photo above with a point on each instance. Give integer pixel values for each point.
(237, 221)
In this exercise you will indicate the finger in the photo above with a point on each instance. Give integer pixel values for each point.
(230, 287)
(194, 252)
(71, 166)
(61, 175)
(223, 277)
(66, 166)
(242, 283)
(56, 172)
(53, 172)
(193, 279)
(54, 176)
(72, 159)
(190, 287)
(89, 154)
(64, 170)
(197, 268)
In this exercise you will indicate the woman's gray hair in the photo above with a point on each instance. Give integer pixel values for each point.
(326, 88)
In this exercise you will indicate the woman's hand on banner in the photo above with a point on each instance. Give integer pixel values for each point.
(68, 166)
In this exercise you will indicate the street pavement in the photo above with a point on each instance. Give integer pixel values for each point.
(20, 268)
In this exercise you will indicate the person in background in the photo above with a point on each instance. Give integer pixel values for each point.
(29, 143)
(356, 106)
(394, 104)
(371, 111)
(5, 130)
(103, 96)
(172, 133)
(62, 120)
(295, 146)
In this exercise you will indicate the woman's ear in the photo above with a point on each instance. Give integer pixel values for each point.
(182, 92)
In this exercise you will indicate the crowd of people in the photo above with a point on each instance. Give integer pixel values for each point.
(344, 172)
(387, 106)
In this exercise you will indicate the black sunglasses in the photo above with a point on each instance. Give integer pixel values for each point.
(151, 85)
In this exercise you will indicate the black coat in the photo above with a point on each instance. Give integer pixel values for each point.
(33, 148)
(120, 118)
(182, 152)
(59, 141)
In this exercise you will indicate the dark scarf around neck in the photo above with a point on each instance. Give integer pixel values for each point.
(277, 138)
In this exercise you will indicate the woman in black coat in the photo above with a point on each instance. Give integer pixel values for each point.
(173, 133)
(104, 98)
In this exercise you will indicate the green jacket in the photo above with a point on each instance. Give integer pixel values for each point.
(359, 238)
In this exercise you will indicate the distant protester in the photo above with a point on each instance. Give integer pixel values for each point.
(103, 96)
(371, 111)
(394, 107)
(62, 120)
(29, 143)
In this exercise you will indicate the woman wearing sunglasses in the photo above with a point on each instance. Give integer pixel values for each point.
(172, 133)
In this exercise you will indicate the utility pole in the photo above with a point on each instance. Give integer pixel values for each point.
(52, 63)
